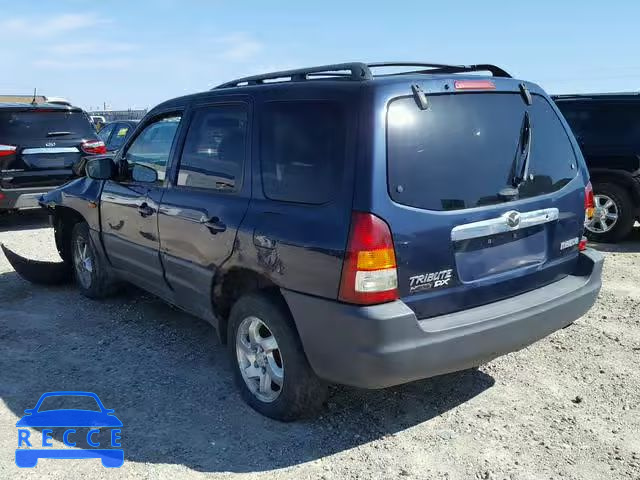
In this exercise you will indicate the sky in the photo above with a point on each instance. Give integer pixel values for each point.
(136, 54)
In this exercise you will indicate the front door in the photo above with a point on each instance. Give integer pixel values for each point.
(129, 206)
(202, 210)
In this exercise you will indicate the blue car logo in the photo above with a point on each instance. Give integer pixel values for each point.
(72, 421)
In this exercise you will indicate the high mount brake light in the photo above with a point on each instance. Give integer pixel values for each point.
(474, 85)
(94, 147)
(6, 150)
(369, 274)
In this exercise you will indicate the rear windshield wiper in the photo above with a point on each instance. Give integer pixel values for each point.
(522, 164)
(520, 169)
(58, 134)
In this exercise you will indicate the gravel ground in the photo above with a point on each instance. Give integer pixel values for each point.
(566, 407)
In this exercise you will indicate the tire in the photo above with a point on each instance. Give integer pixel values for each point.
(604, 230)
(301, 392)
(90, 273)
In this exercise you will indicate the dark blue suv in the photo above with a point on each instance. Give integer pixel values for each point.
(338, 226)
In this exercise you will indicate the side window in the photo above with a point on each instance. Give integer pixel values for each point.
(153, 146)
(214, 150)
(105, 132)
(119, 136)
(302, 150)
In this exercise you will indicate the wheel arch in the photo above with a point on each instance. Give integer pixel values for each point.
(63, 221)
(232, 284)
(621, 178)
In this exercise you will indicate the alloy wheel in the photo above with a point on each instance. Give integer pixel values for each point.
(83, 262)
(605, 215)
(259, 359)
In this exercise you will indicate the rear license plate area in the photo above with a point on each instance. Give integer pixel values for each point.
(483, 257)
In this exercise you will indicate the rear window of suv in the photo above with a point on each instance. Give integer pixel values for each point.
(43, 123)
(461, 151)
(302, 150)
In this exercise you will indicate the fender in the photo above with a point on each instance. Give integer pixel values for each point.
(622, 177)
(81, 196)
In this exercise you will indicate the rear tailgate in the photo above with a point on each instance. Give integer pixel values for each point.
(47, 145)
(459, 243)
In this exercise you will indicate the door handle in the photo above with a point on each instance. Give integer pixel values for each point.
(214, 225)
(145, 210)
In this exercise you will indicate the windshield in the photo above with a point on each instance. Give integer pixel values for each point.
(43, 124)
(466, 148)
(66, 402)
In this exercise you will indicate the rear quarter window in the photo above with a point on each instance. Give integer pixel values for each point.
(302, 150)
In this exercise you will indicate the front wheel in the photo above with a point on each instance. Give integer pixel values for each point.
(614, 214)
(91, 275)
(269, 364)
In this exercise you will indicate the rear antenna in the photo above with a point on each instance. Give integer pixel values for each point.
(419, 96)
(33, 102)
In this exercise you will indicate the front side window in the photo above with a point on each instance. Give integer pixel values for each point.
(302, 150)
(153, 146)
(214, 150)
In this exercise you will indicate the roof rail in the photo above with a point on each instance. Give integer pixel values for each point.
(358, 71)
(443, 68)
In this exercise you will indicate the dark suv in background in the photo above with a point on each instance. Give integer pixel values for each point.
(337, 226)
(39, 144)
(607, 128)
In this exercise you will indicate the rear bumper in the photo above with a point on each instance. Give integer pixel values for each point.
(21, 197)
(385, 345)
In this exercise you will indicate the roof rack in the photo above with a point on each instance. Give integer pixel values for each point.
(437, 68)
(358, 71)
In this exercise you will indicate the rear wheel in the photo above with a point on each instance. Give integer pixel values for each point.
(614, 213)
(91, 275)
(270, 367)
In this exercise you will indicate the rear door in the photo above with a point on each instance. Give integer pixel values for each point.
(462, 239)
(47, 143)
(201, 212)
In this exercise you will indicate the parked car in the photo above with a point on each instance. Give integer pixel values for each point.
(607, 127)
(114, 134)
(98, 122)
(39, 144)
(341, 227)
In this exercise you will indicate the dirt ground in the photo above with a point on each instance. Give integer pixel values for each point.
(566, 407)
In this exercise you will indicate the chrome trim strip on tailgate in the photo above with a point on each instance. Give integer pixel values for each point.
(29, 151)
(507, 222)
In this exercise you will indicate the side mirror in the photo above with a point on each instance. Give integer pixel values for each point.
(101, 168)
(144, 174)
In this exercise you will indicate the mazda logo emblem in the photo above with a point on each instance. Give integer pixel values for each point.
(512, 219)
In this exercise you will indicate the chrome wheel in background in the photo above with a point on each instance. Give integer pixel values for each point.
(605, 215)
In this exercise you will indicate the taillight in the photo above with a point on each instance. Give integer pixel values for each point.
(589, 203)
(6, 150)
(369, 274)
(589, 210)
(94, 147)
(474, 85)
